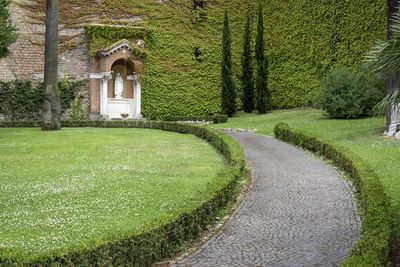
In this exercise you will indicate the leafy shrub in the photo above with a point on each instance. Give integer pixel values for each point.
(218, 118)
(68, 92)
(348, 95)
(374, 245)
(79, 111)
(21, 100)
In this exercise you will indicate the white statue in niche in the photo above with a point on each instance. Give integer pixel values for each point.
(119, 86)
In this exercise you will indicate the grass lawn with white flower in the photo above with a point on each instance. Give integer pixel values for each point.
(73, 188)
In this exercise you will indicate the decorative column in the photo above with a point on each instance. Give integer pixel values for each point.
(138, 96)
(104, 94)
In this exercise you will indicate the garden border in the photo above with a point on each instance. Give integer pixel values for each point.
(168, 239)
(374, 245)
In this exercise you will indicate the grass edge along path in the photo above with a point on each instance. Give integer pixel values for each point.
(374, 245)
(165, 240)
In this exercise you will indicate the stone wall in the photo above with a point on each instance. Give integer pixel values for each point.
(26, 60)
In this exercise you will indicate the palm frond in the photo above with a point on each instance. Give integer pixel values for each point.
(387, 103)
(384, 56)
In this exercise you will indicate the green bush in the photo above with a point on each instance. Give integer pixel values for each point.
(374, 245)
(170, 237)
(349, 95)
(218, 118)
(79, 111)
(21, 100)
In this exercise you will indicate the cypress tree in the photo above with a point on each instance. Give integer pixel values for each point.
(7, 31)
(228, 86)
(263, 98)
(247, 70)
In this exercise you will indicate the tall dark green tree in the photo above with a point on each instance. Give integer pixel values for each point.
(7, 31)
(247, 70)
(228, 85)
(51, 98)
(263, 97)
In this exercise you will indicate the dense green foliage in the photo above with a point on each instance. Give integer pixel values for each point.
(346, 94)
(263, 96)
(228, 96)
(104, 36)
(7, 31)
(247, 70)
(21, 100)
(363, 137)
(373, 246)
(305, 39)
(142, 246)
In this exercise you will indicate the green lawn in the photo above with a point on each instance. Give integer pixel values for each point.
(77, 187)
(363, 137)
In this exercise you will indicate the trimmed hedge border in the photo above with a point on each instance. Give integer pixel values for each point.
(216, 118)
(374, 245)
(166, 240)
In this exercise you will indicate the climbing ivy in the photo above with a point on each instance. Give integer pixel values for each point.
(22, 100)
(104, 36)
(307, 38)
(304, 39)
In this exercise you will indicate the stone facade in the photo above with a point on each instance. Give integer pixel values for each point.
(26, 62)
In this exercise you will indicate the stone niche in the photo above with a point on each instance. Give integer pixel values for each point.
(115, 82)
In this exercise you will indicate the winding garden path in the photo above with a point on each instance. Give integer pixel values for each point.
(298, 212)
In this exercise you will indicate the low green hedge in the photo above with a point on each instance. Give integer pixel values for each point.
(169, 238)
(216, 118)
(374, 245)
(22, 100)
(19, 124)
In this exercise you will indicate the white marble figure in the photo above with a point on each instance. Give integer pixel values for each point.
(119, 86)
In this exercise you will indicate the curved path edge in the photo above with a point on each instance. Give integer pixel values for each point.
(298, 212)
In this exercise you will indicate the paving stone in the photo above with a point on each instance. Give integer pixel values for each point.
(298, 212)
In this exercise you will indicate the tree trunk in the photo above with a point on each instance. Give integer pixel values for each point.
(393, 114)
(51, 102)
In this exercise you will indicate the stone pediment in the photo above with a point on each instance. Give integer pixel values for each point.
(123, 44)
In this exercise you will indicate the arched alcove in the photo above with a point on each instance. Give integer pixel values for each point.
(115, 84)
(125, 68)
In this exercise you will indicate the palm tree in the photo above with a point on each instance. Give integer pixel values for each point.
(384, 58)
(51, 96)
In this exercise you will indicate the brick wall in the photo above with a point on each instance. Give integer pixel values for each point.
(26, 60)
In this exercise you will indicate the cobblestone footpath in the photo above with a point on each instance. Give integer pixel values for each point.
(298, 212)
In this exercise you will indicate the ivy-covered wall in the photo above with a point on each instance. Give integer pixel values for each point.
(176, 84)
(304, 40)
(307, 38)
